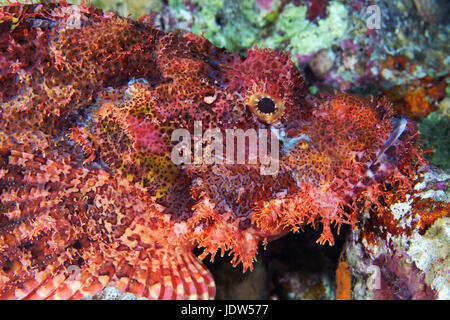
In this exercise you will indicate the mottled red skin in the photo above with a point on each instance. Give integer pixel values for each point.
(85, 172)
(317, 9)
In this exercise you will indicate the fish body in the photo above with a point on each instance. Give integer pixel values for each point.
(90, 177)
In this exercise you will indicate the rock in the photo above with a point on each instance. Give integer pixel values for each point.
(404, 254)
(321, 62)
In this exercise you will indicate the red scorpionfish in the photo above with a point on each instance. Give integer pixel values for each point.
(89, 105)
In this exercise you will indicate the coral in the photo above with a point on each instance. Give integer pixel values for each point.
(430, 254)
(417, 102)
(112, 293)
(343, 281)
(404, 33)
(267, 5)
(327, 31)
(238, 25)
(435, 132)
(416, 98)
(401, 247)
(444, 107)
(317, 9)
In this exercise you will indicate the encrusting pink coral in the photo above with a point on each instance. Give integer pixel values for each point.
(86, 174)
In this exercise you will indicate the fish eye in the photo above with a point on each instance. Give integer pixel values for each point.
(266, 105)
(268, 109)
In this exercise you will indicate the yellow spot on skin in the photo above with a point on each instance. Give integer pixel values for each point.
(157, 172)
(14, 24)
(141, 109)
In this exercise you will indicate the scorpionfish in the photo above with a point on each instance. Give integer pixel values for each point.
(90, 102)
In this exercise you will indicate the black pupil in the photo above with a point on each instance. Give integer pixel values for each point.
(266, 105)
